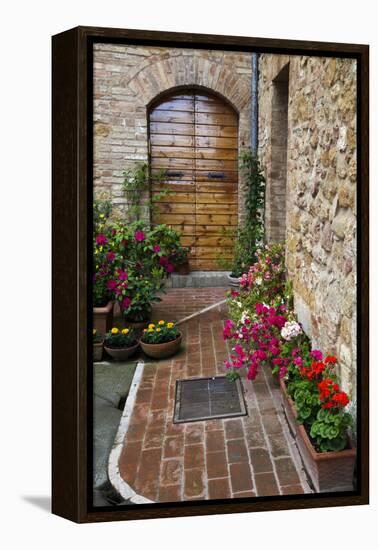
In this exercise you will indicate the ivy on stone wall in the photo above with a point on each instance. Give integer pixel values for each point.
(250, 234)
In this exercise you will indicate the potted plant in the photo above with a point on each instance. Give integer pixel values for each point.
(120, 344)
(161, 340)
(98, 342)
(315, 409)
(179, 258)
(103, 257)
(102, 303)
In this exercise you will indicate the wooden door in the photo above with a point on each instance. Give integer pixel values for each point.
(194, 142)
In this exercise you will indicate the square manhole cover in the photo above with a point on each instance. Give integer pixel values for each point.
(207, 398)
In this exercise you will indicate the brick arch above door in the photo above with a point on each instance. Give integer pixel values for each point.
(193, 141)
(168, 73)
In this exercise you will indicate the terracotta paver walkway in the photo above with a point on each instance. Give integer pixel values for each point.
(223, 458)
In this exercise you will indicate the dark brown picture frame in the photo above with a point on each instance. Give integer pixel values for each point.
(72, 180)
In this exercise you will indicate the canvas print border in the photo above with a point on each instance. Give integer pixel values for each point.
(72, 222)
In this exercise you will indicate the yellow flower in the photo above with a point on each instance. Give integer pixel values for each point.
(158, 329)
(102, 215)
(170, 325)
(115, 330)
(125, 331)
(94, 331)
(161, 323)
(150, 330)
(144, 330)
(151, 325)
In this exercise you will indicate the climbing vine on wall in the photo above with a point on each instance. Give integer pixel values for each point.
(250, 234)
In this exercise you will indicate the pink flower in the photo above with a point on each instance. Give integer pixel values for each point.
(122, 275)
(110, 256)
(316, 354)
(228, 329)
(125, 302)
(169, 268)
(163, 261)
(139, 236)
(101, 239)
(111, 284)
(283, 371)
(156, 248)
(234, 293)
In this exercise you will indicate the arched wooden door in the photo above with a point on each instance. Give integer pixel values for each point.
(194, 143)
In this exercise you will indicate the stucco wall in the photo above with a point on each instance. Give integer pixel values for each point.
(128, 78)
(319, 209)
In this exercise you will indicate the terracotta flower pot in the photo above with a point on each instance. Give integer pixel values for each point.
(160, 351)
(121, 354)
(103, 318)
(329, 471)
(98, 350)
(183, 269)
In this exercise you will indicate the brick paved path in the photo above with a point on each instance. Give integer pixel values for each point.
(223, 458)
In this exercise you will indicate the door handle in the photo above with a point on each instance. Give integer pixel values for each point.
(172, 174)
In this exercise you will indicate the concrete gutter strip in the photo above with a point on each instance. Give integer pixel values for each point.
(115, 478)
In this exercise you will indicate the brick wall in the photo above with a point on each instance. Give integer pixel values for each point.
(313, 204)
(128, 78)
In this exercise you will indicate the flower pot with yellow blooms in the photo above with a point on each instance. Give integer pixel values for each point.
(161, 340)
(121, 344)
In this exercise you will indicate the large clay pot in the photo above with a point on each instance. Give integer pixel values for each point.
(183, 269)
(330, 471)
(98, 350)
(103, 318)
(121, 354)
(233, 282)
(160, 351)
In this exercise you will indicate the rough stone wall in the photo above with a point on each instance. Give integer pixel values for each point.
(128, 78)
(320, 221)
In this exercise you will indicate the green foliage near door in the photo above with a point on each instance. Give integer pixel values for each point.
(250, 234)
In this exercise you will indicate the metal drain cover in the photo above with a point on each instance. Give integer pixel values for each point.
(207, 398)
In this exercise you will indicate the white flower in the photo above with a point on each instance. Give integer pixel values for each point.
(239, 304)
(290, 330)
(244, 316)
(258, 281)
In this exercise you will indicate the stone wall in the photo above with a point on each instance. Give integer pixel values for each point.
(128, 78)
(314, 202)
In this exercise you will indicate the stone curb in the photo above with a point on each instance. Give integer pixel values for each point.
(115, 478)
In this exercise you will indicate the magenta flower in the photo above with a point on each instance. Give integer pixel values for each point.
(125, 302)
(139, 236)
(156, 248)
(163, 261)
(316, 354)
(114, 232)
(234, 293)
(101, 239)
(111, 284)
(122, 275)
(110, 256)
(283, 371)
(169, 268)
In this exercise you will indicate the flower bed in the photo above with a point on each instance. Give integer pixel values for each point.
(263, 330)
